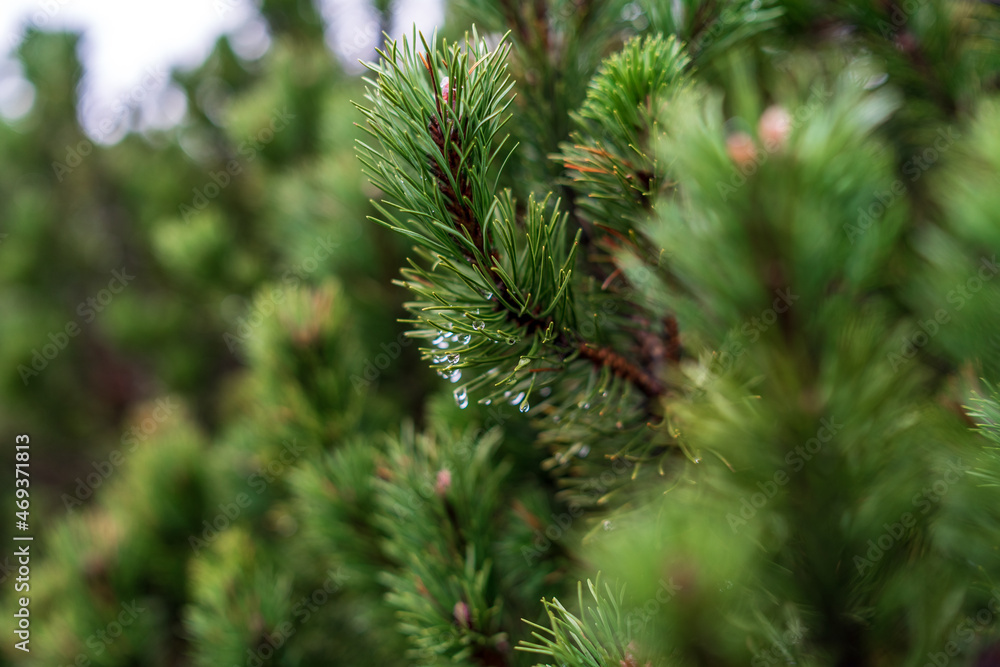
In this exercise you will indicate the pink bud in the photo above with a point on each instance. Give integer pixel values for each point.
(462, 614)
(443, 481)
(445, 88)
(774, 126)
(741, 148)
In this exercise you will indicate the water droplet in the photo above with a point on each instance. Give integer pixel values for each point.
(604, 394)
(453, 358)
(517, 399)
(465, 339)
(461, 398)
(479, 325)
(456, 375)
(488, 401)
(697, 459)
(524, 407)
(441, 342)
(438, 359)
(511, 341)
(584, 451)
(545, 391)
(487, 295)
(607, 525)
(556, 419)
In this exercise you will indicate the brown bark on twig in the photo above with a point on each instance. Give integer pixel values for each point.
(622, 367)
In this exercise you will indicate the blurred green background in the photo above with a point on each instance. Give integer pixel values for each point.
(257, 185)
(139, 279)
(200, 332)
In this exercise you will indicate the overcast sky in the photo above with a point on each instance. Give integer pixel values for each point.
(129, 45)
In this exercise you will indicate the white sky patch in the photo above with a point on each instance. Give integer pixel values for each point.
(353, 31)
(129, 46)
(425, 14)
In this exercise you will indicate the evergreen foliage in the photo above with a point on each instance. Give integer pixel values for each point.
(709, 289)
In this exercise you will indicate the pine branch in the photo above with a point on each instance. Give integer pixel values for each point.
(985, 410)
(558, 45)
(600, 636)
(623, 368)
(441, 505)
(438, 113)
(615, 160)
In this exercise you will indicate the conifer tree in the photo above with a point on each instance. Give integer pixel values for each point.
(708, 288)
(771, 356)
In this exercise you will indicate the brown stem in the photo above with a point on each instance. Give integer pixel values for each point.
(457, 203)
(513, 17)
(673, 339)
(458, 206)
(622, 367)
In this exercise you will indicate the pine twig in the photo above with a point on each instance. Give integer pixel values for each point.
(622, 367)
